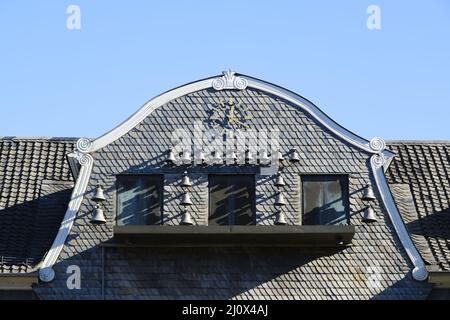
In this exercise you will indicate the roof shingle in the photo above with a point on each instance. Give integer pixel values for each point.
(35, 186)
(421, 171)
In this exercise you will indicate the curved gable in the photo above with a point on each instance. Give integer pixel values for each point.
(141, 143)
(231, 81)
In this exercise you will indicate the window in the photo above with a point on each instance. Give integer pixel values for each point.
(325, 199)
(231, 199)
(139, 199)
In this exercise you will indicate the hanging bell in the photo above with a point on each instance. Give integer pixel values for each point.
(201, 157)
(264, 158)
(171, 158)
(186, 182)
(280, 181)
(280, 156)
(295, 156)
(186, 220)
(281, 219)
(217, 157)
(369, 215)
(186, 200)
(368, 194)
(186, 157)
(279, 200)
(99, 195)
(97, 216)
(249, 157)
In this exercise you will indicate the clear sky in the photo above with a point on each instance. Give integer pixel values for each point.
(393, 82)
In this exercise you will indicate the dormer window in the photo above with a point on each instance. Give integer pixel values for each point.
(231, 199)
(325, 199)
(139, 199)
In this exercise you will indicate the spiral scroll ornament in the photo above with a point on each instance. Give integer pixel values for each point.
(229, 80)
(47, 274)
(377, 144)
(240, 83)
(84, 145)
(218, 84)
(378, 160)
(84, 159)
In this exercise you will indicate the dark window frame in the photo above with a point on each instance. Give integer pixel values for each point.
(161, 194)
(321, 177)
(251, 192)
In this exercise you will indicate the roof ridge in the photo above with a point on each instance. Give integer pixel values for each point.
(39, 138)
(417, 142)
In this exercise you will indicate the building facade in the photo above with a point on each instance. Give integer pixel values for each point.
(225, 188)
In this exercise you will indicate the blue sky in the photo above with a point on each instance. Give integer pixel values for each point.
(393, 82)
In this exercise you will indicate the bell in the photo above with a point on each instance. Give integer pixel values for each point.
(294, 156)
(280, 181)
(170, 158)
(186, 182)
(369, 215)
(186, 200)
(279, 200)
(201, 157)
(217, 157)
(368, 194)
(280, 156)
(187, 220)
(186, 157)
(280, 218)
(97, 216)
(264, 158)
(99, 196)
(249, 157)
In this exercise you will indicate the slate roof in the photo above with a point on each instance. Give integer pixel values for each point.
(419, 178)
(35, 187)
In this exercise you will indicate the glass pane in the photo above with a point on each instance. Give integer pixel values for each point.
(139, 200)
(325, 200)
(243, 207)
(220, 200)
(311, 202)
(231, 200)
(333, 203)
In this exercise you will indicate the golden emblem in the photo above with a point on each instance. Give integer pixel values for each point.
(230, 114)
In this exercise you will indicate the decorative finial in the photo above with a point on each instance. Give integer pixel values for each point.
(229, 80)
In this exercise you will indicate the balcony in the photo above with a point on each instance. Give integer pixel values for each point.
(233, 236)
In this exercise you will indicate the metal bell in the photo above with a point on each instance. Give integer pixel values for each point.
(99, 195)
(233, 156)
(368, 194)
(280, 156)
(97, 216)
(186, 157)
(280, 181)
(201, 157)
(249, 157)
(279, 200)
(171, 158)
(264, 158)
(186, 200)
(186, 182)
(295, 156)
(186, 220)
(369, 215)
(281, 219)
(217, 157)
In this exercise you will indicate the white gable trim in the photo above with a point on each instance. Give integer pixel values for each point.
(419, 272)
(229, 80)
(241, 82)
